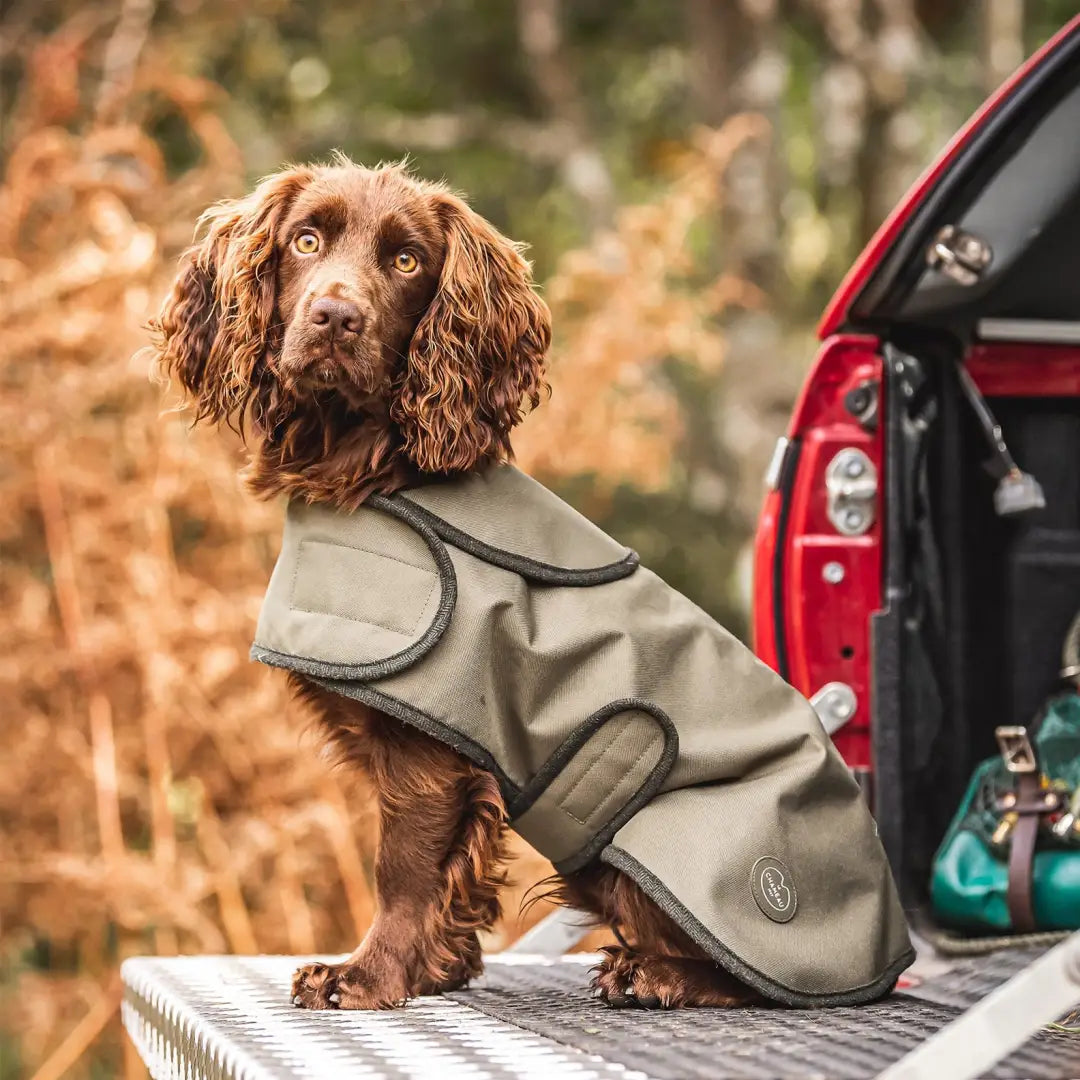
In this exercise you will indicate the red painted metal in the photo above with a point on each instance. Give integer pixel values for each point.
(762, 621)
(856, 278)
(1018, 370)
(825, 626)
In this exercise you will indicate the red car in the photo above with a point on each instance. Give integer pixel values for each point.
(917, 560)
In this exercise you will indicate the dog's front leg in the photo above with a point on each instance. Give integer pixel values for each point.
(437, 874)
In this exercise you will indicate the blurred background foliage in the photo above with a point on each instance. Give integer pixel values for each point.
(693, 178)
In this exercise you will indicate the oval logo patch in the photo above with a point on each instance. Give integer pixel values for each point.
(773, 889)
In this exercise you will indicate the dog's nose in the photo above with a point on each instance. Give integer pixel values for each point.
(341, 316)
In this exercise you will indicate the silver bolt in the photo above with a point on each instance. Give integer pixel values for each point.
(972, 248)
(854, 467)
(833, 572)
(835, 703)
(852, 519)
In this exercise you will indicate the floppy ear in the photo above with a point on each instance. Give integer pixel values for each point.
(477, 356)
(215, 328)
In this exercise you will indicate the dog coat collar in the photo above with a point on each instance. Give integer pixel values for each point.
(621, 721)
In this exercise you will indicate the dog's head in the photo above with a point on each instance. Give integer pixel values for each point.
(358, 293)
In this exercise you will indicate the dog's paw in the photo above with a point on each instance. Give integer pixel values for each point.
(613, 978)
(342, 986)
(626, 979)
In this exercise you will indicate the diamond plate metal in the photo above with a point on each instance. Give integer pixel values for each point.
(225, 1017)
(756, 1044)
(196, 1017)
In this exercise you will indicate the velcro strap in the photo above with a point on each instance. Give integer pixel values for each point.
(589, 784)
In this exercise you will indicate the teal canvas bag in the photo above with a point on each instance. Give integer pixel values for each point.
(1010, 860)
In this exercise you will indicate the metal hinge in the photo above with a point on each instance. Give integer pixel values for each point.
(851, 487)
(963, 256)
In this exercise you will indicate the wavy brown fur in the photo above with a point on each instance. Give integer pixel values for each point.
(424, 375)
(476, 355)
(456, 379)
(439, 865)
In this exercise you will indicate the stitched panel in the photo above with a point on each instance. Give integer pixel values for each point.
(361, 586)
(609, 768)
(355, 596)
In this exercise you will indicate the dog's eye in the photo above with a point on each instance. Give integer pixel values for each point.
(406, 262)
(306, 243)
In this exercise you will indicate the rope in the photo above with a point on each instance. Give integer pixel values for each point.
(949, 945)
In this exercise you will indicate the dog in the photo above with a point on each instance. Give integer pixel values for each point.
(369, 332)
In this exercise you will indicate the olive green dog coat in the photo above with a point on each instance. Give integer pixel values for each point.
(623, 724)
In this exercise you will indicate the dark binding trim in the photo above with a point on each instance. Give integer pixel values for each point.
(407, 714)
(409, 514)
(784, 488)
(659, 893)
(569, 748)
(541, 573)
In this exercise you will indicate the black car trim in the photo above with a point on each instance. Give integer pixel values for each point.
(784, 486)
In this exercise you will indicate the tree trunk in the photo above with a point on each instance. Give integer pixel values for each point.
(1002, 34)
(737, 65)
(583, 168)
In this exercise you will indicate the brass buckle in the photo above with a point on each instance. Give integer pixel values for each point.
(1016, 749)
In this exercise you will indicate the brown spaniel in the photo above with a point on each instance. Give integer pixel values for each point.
(369, 330)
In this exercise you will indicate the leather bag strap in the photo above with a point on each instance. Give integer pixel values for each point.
(1022, 854)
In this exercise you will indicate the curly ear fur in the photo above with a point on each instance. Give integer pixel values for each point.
(217, 325)
(477, 355)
